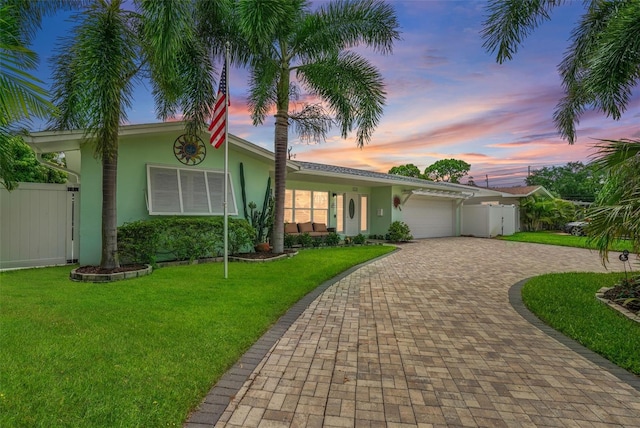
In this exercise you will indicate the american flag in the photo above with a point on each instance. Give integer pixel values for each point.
(219, 120)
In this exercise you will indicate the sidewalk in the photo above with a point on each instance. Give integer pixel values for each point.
(427, 337)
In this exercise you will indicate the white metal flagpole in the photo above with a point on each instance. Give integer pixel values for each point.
(226, 166)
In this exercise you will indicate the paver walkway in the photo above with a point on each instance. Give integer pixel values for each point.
(427, 337)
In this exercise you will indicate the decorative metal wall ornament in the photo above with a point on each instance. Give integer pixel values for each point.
(397, 202)
(352, 208)
(189, 149)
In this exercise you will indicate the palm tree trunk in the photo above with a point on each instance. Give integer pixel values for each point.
(109, 212)
(281, 143)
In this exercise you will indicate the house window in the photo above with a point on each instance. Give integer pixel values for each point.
(178, 191)
(301, 206)
(364, 202)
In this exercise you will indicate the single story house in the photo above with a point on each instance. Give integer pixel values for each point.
(163, 172)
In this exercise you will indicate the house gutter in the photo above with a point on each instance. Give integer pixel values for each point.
(57, 167)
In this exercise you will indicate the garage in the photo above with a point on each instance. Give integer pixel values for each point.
(430, 217)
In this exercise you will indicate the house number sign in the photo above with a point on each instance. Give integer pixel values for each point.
(189, 149)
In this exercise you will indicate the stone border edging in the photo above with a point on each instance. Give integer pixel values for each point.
(221, 394)
(616, 307)
(108, 277)
(515, 299)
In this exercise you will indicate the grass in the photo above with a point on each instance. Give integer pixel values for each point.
(555, 238)
(567, 303)
(140, 352)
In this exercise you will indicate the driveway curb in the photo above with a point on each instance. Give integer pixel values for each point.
(219, 397)
(515, 299)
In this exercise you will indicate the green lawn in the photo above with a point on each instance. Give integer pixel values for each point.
(141, 352)
(563, 239)
(567, 303)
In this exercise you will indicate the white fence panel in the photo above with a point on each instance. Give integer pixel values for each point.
(38, 225)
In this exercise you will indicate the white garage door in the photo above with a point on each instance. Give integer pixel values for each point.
(428, 217)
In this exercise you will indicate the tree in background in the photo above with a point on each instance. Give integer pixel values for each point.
(451, 170)
(408, 170)
(26, 167)
(573, 181)
(541, 213)
(286, 37)
(601, 66)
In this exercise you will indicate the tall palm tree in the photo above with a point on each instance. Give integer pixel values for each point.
(155, 40)
(616, 213)
(601, 66)
(22, 96)
(291, 45)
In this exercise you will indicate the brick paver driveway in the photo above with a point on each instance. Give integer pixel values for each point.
(427, 337)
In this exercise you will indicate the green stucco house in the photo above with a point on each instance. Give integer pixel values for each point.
(162, 172)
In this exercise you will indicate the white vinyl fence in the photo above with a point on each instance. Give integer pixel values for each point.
(487, 221)
(39, 225)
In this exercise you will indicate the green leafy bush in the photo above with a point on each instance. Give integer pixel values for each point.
(181, 238)
(359, 239)
(139, 241)
(290, 240)
(399, 232)
(241, 235)
(317, 241)
(305, 240)
(332, 239)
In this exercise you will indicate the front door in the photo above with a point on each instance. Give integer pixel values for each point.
(351, 214)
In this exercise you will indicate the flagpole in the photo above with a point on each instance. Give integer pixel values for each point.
(226, 166)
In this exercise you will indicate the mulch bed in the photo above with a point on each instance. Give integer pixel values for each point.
(620, 293)
(97, 270)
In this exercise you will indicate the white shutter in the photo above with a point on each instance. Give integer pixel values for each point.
(188, 191)
(164, 194)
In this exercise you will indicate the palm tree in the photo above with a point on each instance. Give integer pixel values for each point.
(616, 213)
(156, 40)
(22, 96)
(285, 37)
(601, 66)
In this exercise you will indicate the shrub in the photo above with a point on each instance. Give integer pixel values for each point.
(399, 232)
(359, 239)
(317, 241)
(305, 240)
(241, 235)
(290, 240)
(332, 239)
(139, 241)
(182, 238)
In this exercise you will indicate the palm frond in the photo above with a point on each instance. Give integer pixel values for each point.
(29, 13)
(265, 22)
(614, 68)
(340, 25)
(510, 22)
(352, 87)
(99, 105)
(198, 95)
(262, 96)
(312, 123)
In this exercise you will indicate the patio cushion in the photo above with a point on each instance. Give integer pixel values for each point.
(319, 227)
(305, 227)
(290, 228)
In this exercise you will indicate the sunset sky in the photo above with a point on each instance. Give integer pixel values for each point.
(446, 98)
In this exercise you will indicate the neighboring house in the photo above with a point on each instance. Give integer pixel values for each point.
(160, 172)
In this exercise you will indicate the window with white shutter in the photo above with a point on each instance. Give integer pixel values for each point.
(181, 191)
